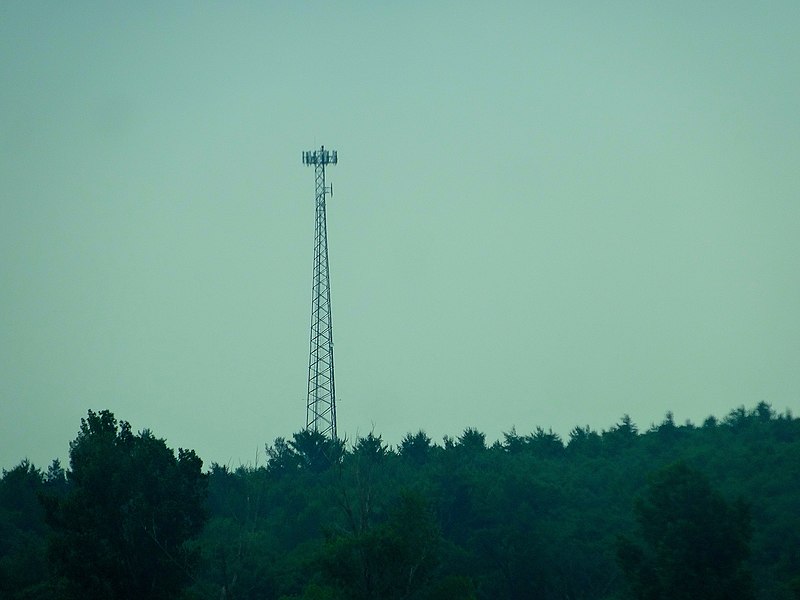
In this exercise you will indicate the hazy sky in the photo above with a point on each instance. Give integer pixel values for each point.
(546, 213)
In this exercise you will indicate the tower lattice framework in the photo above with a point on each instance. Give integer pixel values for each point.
(321, 400)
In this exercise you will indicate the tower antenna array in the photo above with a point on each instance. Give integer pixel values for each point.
(321, 401)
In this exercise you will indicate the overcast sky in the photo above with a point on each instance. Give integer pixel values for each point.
(546, 214)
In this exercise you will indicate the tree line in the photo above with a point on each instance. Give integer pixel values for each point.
(679, 511)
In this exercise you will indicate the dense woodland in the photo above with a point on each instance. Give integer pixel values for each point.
(707, 511)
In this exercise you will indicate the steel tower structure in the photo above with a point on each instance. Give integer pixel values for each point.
(321, 401)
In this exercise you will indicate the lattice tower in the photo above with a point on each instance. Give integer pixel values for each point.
(321, 400)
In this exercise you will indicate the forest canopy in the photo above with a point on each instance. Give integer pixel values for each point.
(674, 511)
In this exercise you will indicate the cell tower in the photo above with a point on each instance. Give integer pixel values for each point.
(321, 403)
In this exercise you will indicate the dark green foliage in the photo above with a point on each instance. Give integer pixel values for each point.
(545, 443)
(371, 448)
(585, 441)
(23, 564)
(451, 588)
(282, 458)
(694, 543)
(620, 437)
(416, 448)
(119, 532)
(391, 560)
(471, 441)
(314, 451)
(525, 517)
(19, 495)
(541, 443)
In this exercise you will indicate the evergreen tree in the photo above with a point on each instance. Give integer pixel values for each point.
(693, 542)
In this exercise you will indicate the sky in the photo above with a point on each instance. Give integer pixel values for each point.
(546, 214)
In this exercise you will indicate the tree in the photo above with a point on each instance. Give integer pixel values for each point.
(585, 440)
(19, 494)
(693, 542)
(545, 443)
(472, 441)
(282, 458)
(23, 565)
(55, 480)
(316, 451)
(392, 560)
(622, 436)
(416, 448)
(121, 527)
(513, 442)
(370, 448)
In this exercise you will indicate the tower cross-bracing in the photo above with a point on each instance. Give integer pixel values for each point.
(321, 401)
